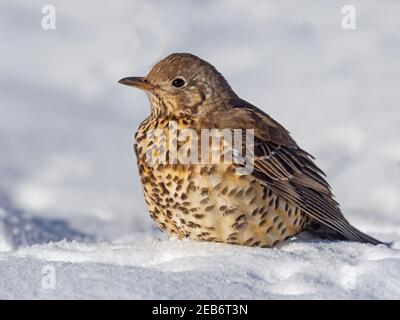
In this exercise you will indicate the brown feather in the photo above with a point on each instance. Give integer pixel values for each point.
(287, 169)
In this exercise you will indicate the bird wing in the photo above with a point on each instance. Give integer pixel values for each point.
(287, 169)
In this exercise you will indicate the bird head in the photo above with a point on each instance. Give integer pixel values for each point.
(183, 84)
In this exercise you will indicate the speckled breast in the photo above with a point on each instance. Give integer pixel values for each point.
(211, 202)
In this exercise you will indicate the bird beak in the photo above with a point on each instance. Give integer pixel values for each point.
(137, 82)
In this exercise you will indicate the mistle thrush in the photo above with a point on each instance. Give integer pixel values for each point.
(284, 194)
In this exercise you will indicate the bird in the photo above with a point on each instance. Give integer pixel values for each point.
(283, 194)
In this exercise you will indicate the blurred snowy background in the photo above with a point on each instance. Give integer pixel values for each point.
(67, 168)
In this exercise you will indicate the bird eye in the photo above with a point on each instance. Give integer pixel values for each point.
(178, 83)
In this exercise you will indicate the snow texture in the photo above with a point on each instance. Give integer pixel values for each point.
(70, 197)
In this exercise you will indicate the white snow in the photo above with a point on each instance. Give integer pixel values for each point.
(192, 270)
(67, 169)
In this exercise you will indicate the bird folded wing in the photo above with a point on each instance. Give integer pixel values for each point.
(288, 170)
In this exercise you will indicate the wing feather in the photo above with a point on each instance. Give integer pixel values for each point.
(288, 170)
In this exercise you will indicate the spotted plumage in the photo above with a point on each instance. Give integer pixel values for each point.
(283, 195)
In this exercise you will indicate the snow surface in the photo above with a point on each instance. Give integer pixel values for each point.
(191, 270)
(67, 169)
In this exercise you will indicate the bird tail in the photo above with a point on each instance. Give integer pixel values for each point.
(364, 238)
(325, 232)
